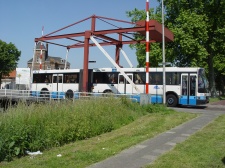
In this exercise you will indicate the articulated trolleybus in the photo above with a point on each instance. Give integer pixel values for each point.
(184, 86)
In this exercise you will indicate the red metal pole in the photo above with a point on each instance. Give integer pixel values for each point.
(118, 46)
(86, 59)
(147, 46)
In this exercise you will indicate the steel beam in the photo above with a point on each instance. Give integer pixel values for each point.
(86, 56)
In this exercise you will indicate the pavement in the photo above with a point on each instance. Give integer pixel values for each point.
(148, 151)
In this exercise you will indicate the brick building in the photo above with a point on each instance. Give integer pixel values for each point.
(48, 62)
(9, 81)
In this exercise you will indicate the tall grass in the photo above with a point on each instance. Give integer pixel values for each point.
(43, 126)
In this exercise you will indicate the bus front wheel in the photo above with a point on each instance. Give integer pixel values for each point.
(171, 100)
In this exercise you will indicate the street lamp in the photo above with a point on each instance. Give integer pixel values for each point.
(163, 54)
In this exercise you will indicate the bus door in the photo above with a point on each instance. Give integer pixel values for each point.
(57, 85)
(188, 89)
(124, 86)
(193, 90)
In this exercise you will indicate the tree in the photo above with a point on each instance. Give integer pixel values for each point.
(213, 12)
(199, 33)
(155, 51)
(9, 57)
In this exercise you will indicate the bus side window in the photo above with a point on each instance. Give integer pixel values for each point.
(36, 78)
(64, 80)
(153, 81)
(72, 80)
(184, 85)
(168, 78)
(46, 80)
(193, 86)
(137, 79)
(60, 79)
(95, 80)
(55, 79)
(121, 79)
(113, 80)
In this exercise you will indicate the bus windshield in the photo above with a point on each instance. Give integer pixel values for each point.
(203, 84)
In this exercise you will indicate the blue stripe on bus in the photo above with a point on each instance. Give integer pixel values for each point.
(192, 100)
(76, 95)
(184, 100)
(156, 99)
(152, 98)
(135, 98)
(35, 93)
(59, 95)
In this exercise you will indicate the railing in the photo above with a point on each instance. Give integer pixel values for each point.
(12, 94)
(28, 95)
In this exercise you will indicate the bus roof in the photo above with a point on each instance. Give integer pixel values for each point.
(153, 69)
(56, 71)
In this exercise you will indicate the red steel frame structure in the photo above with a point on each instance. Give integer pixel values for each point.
(124, 36)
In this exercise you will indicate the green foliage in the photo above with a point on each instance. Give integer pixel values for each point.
(43, 126)
(9, 56)
(198, 28)
(86, 152)
(155, 54)
(190, 30)
(155, 108)
(209, 17)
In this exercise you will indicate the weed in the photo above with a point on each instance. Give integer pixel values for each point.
(43, 126)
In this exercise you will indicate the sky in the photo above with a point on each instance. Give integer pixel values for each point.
(22, 21)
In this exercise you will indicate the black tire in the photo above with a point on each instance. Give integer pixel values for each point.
(107, 93)
(171, 100)
(45, 94)
(69, 94)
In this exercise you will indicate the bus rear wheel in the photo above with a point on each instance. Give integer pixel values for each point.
(69, 94)
(171, 100)
(45, 94)
(107, 93)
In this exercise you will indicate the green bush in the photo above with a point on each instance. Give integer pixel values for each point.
(43, 126)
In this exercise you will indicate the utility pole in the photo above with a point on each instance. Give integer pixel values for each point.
(163, 54)
(147, 47)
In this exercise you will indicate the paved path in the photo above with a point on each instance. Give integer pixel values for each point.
(148, 151)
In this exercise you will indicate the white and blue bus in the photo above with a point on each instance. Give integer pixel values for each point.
(184, 86)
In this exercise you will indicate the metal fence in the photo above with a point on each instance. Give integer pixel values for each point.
(27, 95)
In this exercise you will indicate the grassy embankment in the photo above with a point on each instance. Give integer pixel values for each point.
(203, 149)
(83, 132)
